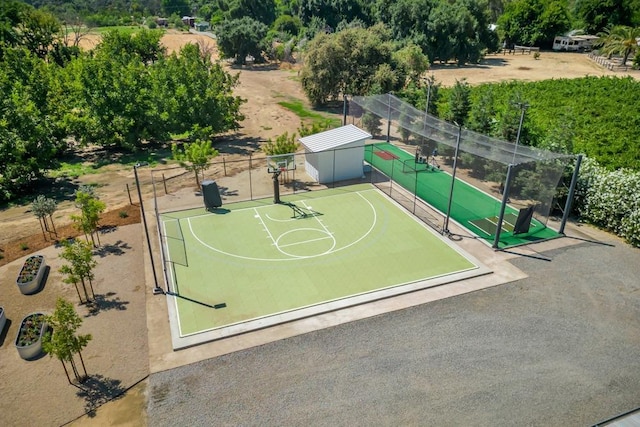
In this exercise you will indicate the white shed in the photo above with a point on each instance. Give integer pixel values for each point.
(336, 154)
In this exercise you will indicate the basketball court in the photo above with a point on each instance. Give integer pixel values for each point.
(254, 264)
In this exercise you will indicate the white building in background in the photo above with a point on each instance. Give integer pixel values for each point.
(336, 154)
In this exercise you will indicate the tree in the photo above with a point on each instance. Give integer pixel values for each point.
(458, 31)
(414, 63)
(619, 40)
(332, 11)
(355, 61)
(194, 157)
(372, 124)
(194, 95)
(64, 343)
(263, 11)
(41, 208)
(31, 128)
(90, 209)
(38, 31)
(459, 102)
(534, 22)
(80, 268)
(597, 15)
(177, 7)
(482, 114)
(239, 38)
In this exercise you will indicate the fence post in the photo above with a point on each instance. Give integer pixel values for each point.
(129, 194)
(164, 183)
(224, 164)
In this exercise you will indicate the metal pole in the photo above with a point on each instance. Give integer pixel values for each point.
(572, 191)
(156, 289)
(388, 118)
(523, 108)
(344, 110)
(505, 197)
(426, 109)
(453, 180)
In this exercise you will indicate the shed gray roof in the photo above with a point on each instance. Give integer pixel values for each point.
(334, 138)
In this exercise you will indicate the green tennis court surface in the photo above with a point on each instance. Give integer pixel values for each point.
(472, 208)
(256, 263)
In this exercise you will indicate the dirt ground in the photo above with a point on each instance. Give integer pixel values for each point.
(118, 355)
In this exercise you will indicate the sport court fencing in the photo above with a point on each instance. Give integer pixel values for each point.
(513, 177)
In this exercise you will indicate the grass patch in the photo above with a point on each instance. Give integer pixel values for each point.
(127, 29)
(301, 111)
(73, 170)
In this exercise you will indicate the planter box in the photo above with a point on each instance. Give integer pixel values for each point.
(29, 337)
(3, 319)
(30, 276)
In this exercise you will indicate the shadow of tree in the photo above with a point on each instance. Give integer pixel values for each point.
(106, 303)
(117, 248)
(97, 390)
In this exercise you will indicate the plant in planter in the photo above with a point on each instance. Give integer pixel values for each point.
(31, 274)
(29, 337)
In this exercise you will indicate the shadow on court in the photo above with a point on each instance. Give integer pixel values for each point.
(214, 306)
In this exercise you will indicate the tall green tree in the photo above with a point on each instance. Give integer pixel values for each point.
(459, 102)
(619, 40)
(597, 15)
(64, 343)
(31, 127)
(38, 31)
(355, 61)
(263, 11)
(194, 157)
(176, 7)
(239, 38)
(194, 95)
(333, 12)
(534, 22)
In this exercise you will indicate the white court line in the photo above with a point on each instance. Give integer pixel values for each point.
(290, 258)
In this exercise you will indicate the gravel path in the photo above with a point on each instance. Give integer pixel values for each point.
(561, 347)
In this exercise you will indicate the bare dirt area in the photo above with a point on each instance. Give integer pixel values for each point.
(505, 67)
(117, 357)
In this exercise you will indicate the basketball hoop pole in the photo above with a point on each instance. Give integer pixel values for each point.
(276, 187)
(156, 290)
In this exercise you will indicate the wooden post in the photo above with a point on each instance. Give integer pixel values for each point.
(164, 184)
(129, 194)
(224, 165)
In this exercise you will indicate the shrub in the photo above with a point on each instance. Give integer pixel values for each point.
(610, 199)
(24, 246)
(123, 214)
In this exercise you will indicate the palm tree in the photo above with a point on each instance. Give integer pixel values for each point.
(619, 40)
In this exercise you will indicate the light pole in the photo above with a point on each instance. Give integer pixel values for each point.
(156, 290)
(523, 107)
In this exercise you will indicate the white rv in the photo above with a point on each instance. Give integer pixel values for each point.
(574, 43)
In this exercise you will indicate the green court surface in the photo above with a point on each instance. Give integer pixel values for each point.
(472, 208)
(255, 260)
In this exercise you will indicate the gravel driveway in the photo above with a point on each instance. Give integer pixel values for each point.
(561, 347)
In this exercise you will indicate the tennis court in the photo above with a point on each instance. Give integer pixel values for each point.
(253, 264)
(472, 208)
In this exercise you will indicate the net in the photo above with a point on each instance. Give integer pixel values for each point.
(494, 179)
